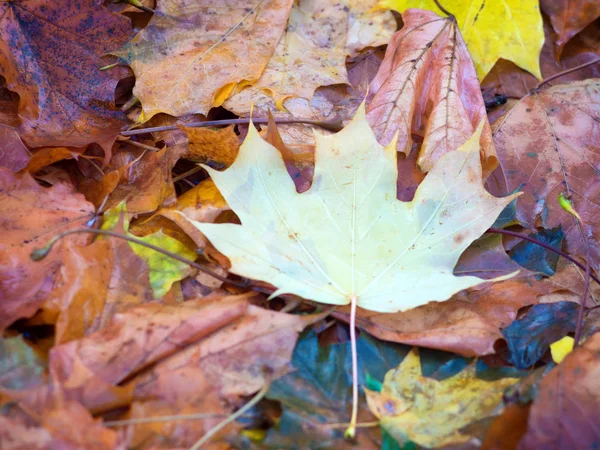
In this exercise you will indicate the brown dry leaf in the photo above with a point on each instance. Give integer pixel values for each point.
(508, 79)
(46, 156)
(30, 216)
(313, 50)
(564, 413)
(93, 283)
(50, 54)
(427, 85)
(187, 59)
(548, 144)
(507, 429)
(569, 17)
(217, 148)
(9, 106)
(13, 154)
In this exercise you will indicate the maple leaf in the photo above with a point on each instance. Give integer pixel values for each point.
(511, 29)
(348, 238)
(427, 85)
(415, 408)
(187, 59)
(50, 56)
(547, 144)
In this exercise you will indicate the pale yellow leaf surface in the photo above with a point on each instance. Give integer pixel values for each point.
(508, 29)
(348, 236)
(312, 52)
(195, 53)
(429, 412)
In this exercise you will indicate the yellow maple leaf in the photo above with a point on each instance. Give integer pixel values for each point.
(429, 412)
(511, 29)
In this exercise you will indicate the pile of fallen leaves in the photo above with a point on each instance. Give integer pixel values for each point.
(258, 224)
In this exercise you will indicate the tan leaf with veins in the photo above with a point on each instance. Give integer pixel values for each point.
(427, 85)
(193, 54)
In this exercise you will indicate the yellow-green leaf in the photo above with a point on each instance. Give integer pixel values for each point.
(561, 348)
(348, 237)
(429, 412)
(509, 29)
(164, 270)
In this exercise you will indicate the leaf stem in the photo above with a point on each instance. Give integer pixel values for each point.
(259, 395)
(334, 124)
(351, 430)
(566, 72)
(444, 10)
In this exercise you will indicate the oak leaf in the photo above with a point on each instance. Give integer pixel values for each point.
(511, 29)
(50, 54)
(428, 412)
(427, 86)
(187, 59)
(348, 238)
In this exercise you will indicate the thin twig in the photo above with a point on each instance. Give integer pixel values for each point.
(258, 397)
(565, 72)
(334, 124)
(351, 430)
(192, 171)
(141, 420)
(144, 146)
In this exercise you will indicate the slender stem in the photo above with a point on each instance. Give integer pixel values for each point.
(110, 66)
(565, 72)
(140, 145)
(586, 288)
(41, 253)
(192, 171)
(351, 430)
(444, 10)
(546, 246)
(334, 124)
(259, 395)
(140, 420)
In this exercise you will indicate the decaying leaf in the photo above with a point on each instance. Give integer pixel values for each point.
(511, 29)
(415, 408)
(563, 414)
(187, 59)
(217, 148)
(548, 144)
(348, 237)
(312, 51)
(50, 54)
(427, 85)
(569, 17)
(28, 222)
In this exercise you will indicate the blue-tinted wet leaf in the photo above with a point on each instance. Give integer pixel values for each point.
(488, 373)
(508, 216)
(530, 337)
(440, 365)
(319, 391)
(536, 258)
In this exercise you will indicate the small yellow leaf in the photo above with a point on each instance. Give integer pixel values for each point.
(429, 412)
(164, 270)
(561, 348)
(511, 29)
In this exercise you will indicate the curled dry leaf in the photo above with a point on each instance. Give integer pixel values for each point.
(548, 144)
(563, 414)
(427, 85)
(490, 29)
(569, 17)
(29, 223)
(187, 59)
(50, 54)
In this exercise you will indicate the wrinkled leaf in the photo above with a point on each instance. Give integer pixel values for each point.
(536, 258)
(511, 29)
(426, 85)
